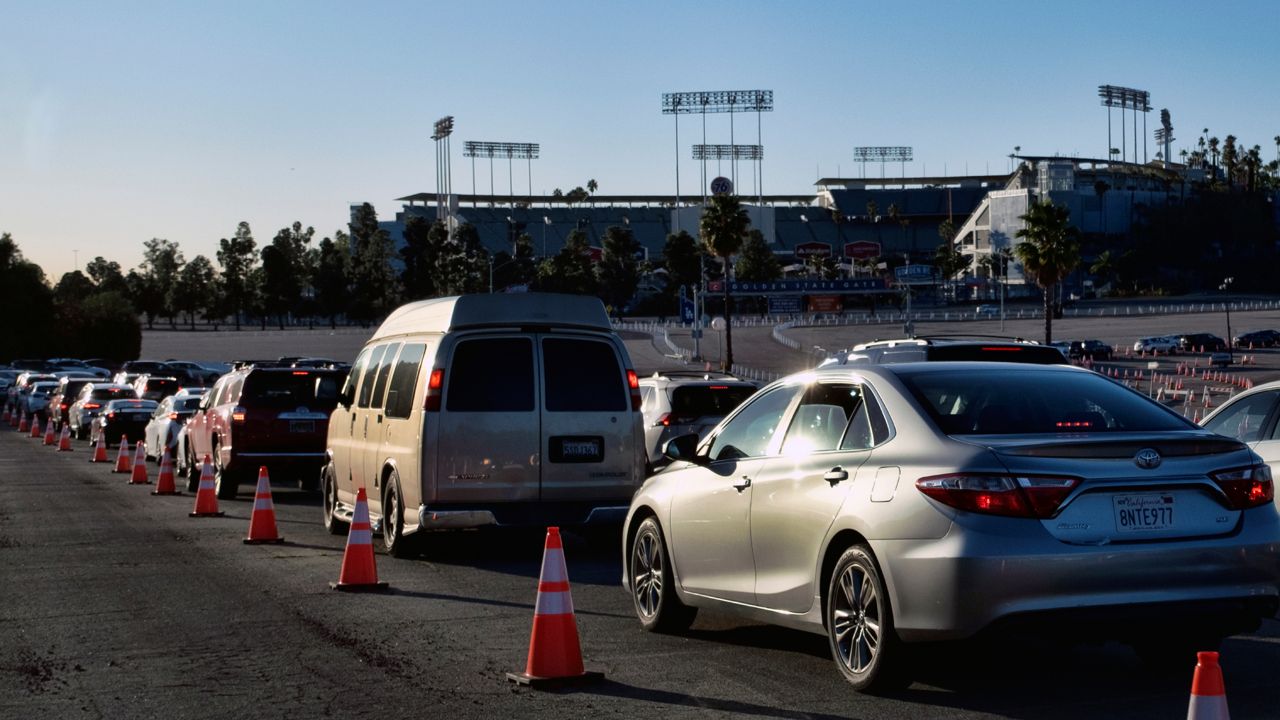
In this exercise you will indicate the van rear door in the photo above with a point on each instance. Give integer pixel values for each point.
(489, 422)
(588, 430)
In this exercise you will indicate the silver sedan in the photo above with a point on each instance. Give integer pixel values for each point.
(889, 505)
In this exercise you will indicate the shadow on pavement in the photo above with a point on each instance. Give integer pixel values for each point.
(610, 688)
(518, 551)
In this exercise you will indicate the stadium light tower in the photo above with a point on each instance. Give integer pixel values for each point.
(1126, 99)
(444, 176)
(509, 150)
(882, 153)
(717, 101)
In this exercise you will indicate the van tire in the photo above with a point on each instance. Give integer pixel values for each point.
(329, 493)
(393, 537)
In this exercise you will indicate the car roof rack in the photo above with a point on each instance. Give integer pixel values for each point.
(702, 374)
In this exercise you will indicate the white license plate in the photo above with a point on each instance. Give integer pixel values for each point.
(302, 426)
(1143, 513)
(581, 449)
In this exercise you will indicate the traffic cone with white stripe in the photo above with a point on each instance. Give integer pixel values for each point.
(35, 426)
(1208, 696)
(7, 415)
(555, 655)
(64, 440)
(123, 464)
(359, 571)
(49, 437)
(99, 448)
(164, 481)
(138, 476)
(262, 523)
(22, 423)
(206, 497)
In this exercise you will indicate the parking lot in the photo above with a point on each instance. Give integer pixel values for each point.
(119, 605)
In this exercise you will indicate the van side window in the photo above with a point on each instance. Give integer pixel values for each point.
(404, 382)
(353, 377)
(491, 375)
(582, 376)
(380, 388)
(370, 374)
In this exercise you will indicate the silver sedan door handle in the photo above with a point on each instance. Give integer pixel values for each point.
(740, 486)
(835, 475)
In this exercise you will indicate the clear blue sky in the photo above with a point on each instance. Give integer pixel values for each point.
(124, 121)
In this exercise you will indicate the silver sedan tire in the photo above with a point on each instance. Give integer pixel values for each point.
(860, 624)
(653, 583)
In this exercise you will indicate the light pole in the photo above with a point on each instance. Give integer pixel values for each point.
(1226, 283)
(546, 220)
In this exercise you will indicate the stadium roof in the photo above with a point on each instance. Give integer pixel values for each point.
(690, 199)
(938, 180)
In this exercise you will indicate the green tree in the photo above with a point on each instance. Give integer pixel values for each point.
(146, 295)
(373, 283)
(420, 256)
(682, 258)
(723, 228)
(237, 257)
(73, 287)
(161, 263)
(28, 325)
(619, 270)
(106, 275)
(331, 276)
(1049, 251)
(464, 263)
(951, 262)
(1230, 160)
(284, 270)
(570, 270)
(194, 290)
(756, 262)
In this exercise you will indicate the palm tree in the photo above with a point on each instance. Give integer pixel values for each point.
(1048, 252)
(592, 187)
(1277, 139)
(723, 228)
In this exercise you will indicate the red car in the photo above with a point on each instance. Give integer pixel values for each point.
(255, 416)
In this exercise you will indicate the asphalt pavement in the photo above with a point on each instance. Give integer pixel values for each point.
(116, 604)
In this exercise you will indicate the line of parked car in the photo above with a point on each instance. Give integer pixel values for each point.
(906, 491)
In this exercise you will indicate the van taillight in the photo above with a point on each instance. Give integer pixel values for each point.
(237, 415)
(434, 387)
(633, 383)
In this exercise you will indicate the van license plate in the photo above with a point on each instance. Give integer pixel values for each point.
(1143, 513)
(577, 449)
(302, 426)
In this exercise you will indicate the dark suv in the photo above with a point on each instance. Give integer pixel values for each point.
(277, 417)
(949, 348)
(1202, 342)
(1090, 349)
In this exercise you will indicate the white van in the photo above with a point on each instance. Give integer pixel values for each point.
(480, 410)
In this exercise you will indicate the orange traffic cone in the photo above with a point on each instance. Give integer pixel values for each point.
(64, 440)
(7, 415)
(1208, 696)
(123, 464)
(99, 448)
(206, 498)
(359, 572)
(555, 655)
(49, 437)
(22, 423)
(35, 426)
(164, 481)
(139, 473)
(262, 524)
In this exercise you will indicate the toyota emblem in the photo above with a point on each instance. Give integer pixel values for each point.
(1147, 459)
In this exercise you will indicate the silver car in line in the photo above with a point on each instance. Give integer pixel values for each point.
(894, 504)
